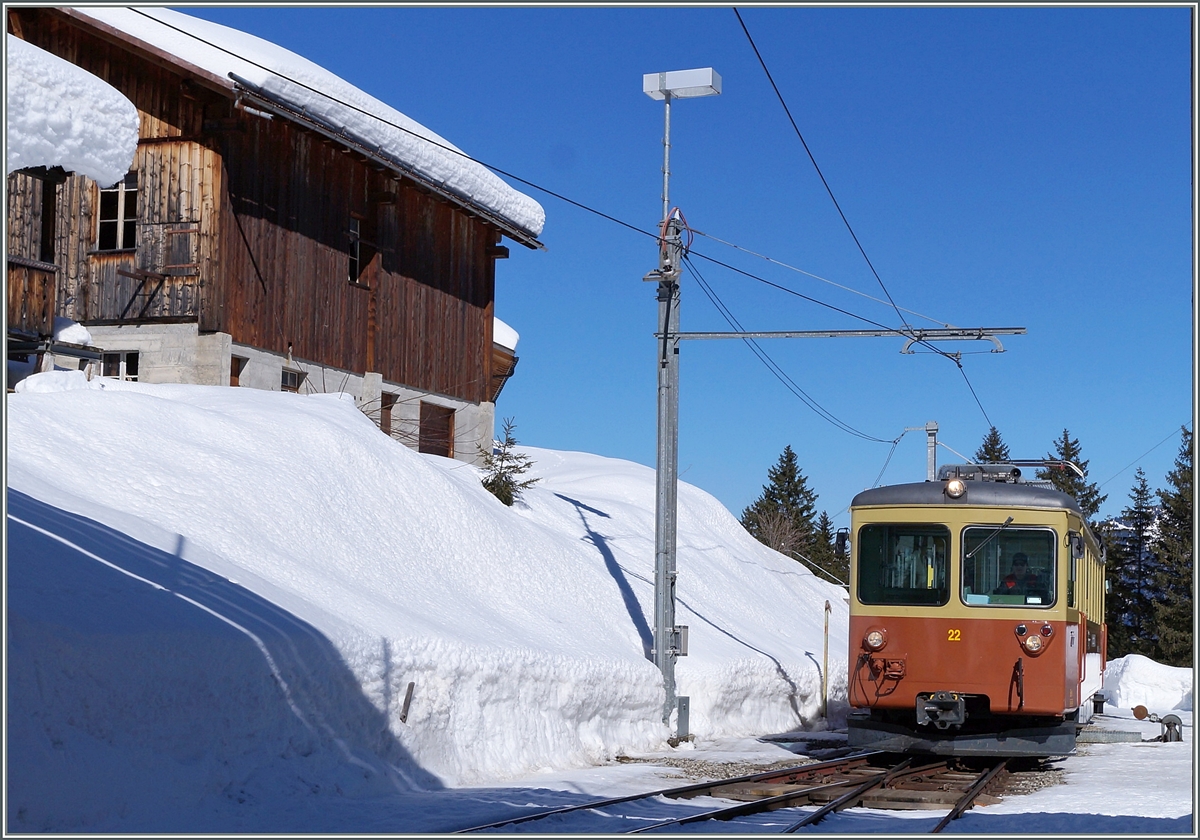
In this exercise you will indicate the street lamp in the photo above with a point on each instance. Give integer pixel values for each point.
(670, 641)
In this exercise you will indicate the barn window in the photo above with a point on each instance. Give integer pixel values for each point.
(117, 228)
(120, 365)
(291, 380)
(436, 434)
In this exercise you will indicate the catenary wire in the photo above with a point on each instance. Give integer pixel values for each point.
(833, 198)
(772, 366)
(828, 189)
(1140, 457)
(833, 283)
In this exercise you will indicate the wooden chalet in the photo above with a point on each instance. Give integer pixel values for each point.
(252, 244)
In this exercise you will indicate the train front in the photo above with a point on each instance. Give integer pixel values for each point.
(976, 617)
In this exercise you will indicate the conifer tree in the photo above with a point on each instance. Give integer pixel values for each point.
(993, 449)
(1130, 606)
(504, 467)
(782, 516)
(838, 570)
(1087, 495)
(1173, 550)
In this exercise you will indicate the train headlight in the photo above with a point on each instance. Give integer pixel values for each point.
(955, 488)
(875, 638)
(1033, 644)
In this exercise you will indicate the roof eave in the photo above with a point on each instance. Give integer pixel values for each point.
(258, 98)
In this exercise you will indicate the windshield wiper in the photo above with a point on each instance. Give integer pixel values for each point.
(991, 537)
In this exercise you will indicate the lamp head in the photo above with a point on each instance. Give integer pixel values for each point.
(682, 84)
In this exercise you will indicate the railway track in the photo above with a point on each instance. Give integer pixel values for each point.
(868, 780)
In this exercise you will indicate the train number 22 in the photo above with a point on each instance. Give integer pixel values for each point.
(953, 635)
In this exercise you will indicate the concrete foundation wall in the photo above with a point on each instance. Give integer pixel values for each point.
(179, 353)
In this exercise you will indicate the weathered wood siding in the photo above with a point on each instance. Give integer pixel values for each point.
(24, 215)
(30, 298)
(31, 285)
(249, 219)
(177, 182)
(420, 311)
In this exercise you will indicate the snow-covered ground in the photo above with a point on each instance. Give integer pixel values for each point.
(218, 599)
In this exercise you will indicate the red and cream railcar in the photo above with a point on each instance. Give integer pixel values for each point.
(976, 616)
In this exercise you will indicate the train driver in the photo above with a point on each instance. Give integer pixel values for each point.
(1020, 580)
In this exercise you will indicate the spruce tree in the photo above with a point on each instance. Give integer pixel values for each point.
(1131, 610)
(1087, 495)
(782, 517)
(992, 450)
(1173, 551)
(838, 570)
(504, 467)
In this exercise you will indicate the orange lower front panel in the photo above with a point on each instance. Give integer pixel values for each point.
(972, 657)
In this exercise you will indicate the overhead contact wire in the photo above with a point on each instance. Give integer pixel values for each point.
(957, 361)
(820, 174)
(772, 366)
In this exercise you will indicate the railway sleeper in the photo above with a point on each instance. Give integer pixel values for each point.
(904, 799)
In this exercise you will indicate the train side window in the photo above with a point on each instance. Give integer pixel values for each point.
(1008, 566)
(904, 565)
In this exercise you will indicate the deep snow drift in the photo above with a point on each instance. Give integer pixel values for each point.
(219, 596)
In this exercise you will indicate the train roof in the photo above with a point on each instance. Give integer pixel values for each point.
(990, 493)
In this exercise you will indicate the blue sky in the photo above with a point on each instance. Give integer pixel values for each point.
(1000, 166)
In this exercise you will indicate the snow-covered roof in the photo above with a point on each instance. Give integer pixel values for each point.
(311, 94)
(61, 115)
(504, 335)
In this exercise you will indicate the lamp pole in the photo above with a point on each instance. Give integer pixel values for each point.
(669, 639)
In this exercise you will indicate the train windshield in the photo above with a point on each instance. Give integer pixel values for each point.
(903, 564)
(1008, 566)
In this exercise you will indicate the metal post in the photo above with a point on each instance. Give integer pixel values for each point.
(931, 430)
(667, 465)
(670, 641)
(825, 667)
(666, 152)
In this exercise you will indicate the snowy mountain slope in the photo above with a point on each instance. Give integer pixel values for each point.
(280, 547)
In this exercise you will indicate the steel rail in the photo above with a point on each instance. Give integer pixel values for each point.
(696, 789)
(969, 797)
(848, 799)
(767, 804)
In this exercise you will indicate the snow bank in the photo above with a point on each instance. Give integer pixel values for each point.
(58, 114)
(1137, 680)
(342, 567)
(323, 96)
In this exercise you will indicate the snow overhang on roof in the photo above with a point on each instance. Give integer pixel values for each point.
(59, 115)
(281, 82)
(504, 335)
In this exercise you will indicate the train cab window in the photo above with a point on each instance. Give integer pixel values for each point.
(904, 564)
(1008, 566)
